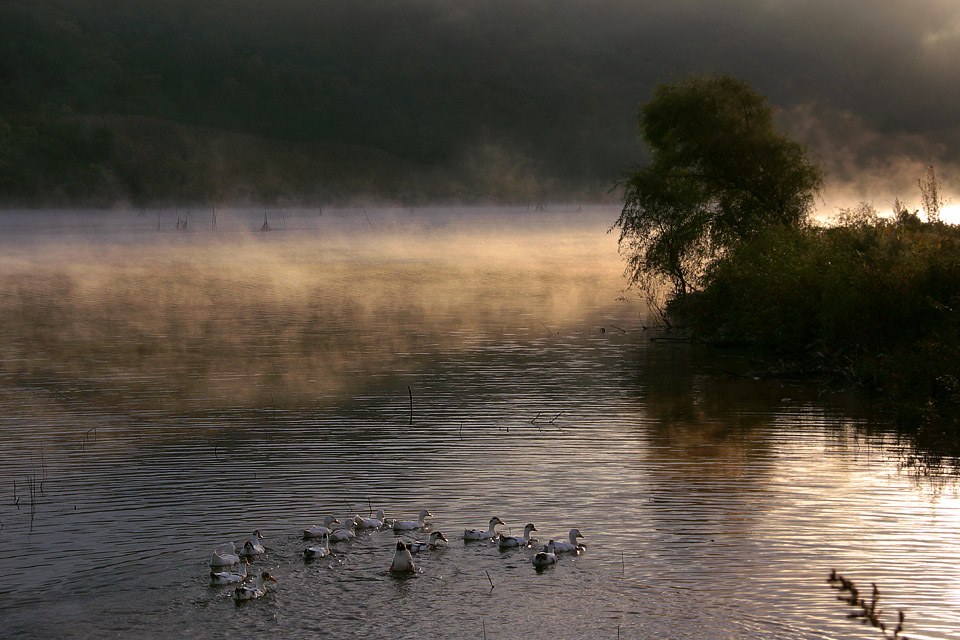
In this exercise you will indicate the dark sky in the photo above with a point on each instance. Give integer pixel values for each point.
(873, 86)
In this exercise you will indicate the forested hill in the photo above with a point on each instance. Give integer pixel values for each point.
(151, 100)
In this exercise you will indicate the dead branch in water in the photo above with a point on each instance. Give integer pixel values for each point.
(32, 488)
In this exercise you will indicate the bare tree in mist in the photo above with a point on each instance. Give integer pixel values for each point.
(931, 195)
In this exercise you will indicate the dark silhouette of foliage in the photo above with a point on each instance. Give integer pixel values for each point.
(873, 301)
(719, 174)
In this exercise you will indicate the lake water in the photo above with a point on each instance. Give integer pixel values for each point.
(165, 391)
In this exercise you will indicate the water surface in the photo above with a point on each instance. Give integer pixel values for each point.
(162, 392)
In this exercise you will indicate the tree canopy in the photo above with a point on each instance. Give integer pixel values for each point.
(719, 173)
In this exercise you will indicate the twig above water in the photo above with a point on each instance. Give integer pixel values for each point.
(866, 612)
(87, 438)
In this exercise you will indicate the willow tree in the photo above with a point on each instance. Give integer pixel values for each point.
(719, 173)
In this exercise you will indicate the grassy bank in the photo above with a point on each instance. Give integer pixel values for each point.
(874, 302)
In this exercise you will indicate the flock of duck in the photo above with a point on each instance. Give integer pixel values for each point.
(229, 555)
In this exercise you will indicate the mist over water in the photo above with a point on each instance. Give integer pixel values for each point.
(245, 318)
(162, 392)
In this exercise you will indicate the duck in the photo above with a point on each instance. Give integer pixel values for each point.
(572, 546)
(402, 560)
(517, 541)
(256, 590)
(319, 551)
(219, 578)
(480, 534)
(318, 531)
(408, 525)
(252, 547)
(225, 556)
(375, 522)
(546, 557)
(342, 535)
(347, 523)
(432, 545)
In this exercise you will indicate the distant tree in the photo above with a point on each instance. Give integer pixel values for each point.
(719, 173)
(931, 195)
(863, 216)
(903, 216)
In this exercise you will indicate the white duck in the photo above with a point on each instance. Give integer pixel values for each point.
(402, 560)
(318, 531)
(517, 541)
(348, 523)
(256, 590)
(480, 534)
(218, 578)
(572, 546)
(344, 534)
(225, 556)
(432, 545)
(252, 547)
(321, 550)
(546, 557)
(375, 522)
(408, 525)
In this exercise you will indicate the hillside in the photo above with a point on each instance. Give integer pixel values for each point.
(102, 99)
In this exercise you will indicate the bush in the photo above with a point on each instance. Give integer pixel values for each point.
(872, 300)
